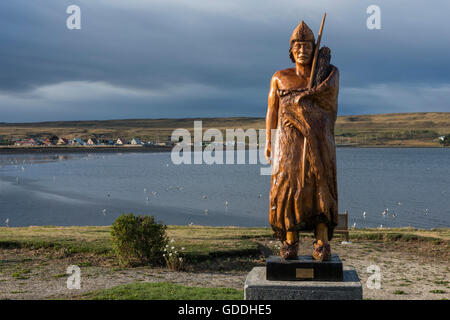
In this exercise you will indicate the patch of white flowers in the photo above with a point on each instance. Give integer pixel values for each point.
(275, 246)
(174, 258)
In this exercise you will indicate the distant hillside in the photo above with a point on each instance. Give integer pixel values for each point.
(396, 129)
(393, 129)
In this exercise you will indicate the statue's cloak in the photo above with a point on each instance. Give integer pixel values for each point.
(309, 114)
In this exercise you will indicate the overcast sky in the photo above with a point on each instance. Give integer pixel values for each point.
(208, 58)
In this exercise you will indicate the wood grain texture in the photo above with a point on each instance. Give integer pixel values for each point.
(311, 114)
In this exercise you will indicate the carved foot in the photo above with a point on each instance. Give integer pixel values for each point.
(289, 251)
(321, 251)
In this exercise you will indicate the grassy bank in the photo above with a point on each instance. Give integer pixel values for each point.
(201, 242)
(391, 130)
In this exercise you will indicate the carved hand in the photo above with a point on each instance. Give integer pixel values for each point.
(268, 151)
(304, 94)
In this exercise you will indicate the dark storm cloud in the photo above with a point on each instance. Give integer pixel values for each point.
(135, 59)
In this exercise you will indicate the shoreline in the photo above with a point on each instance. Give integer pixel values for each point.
(22, 150)
(403, 229)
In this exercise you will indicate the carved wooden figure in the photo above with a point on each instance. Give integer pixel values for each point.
(299, 113)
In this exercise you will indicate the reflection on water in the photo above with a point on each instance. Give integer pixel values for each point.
(379, 187)
(31, 158)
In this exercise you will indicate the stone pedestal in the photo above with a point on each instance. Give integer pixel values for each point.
(304, 268)
(257, 287)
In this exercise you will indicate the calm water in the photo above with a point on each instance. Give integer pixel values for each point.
(93, 189)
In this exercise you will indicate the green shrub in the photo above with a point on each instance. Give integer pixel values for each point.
(138, 240)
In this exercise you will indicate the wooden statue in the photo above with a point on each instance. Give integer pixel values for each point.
(303, 195)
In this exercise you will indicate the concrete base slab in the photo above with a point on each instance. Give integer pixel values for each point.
(258, 288)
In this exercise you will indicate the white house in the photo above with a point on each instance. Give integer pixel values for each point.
(121, 141)
(92, 141)
(136, 141)
(63, 141)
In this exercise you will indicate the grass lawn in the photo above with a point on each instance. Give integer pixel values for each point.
(163, 291)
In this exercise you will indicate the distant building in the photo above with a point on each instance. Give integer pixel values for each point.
(47, 142)
(102, 141)
(54, 139)
(79, 141)
(62, 141)
(136, 141)
(92, 141)
(121, 141)
(183, 143)
(5, 141)
(23, 143)
(216, 144)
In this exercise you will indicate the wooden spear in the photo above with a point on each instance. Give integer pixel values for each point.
(311, 79)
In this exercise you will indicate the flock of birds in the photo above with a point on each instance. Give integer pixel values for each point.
(206, 211)
(154, 193)
(385, 213)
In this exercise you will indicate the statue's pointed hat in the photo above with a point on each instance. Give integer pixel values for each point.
(302, 33)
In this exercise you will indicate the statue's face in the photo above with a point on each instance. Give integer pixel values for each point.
(303, 52)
